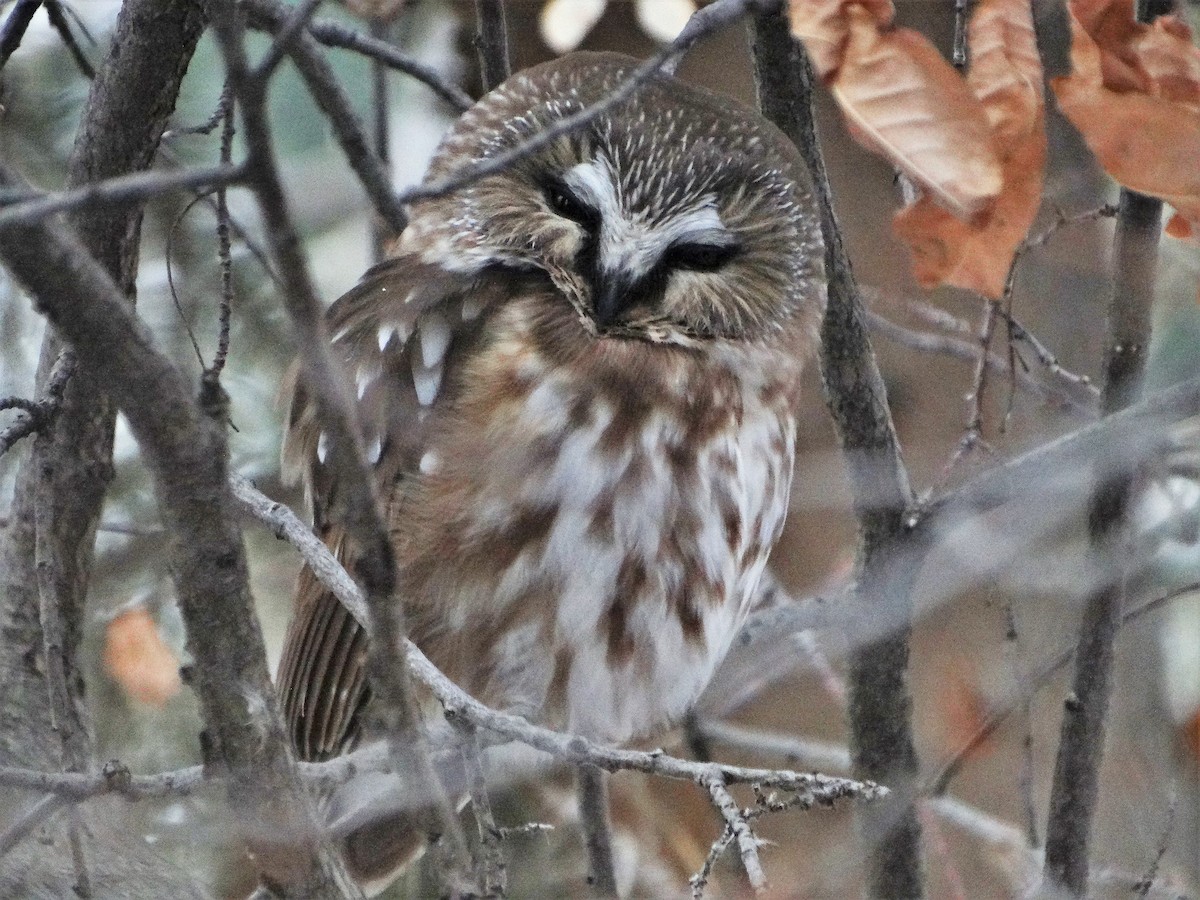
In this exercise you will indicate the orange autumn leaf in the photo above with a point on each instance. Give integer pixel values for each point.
(1006, 77)
(903, 101)
(824, 28)
(136, 657)
(1140, 118)
(1172, 65)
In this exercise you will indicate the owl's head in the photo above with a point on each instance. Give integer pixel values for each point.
(676, 216)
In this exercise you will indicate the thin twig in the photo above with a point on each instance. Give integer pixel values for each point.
(334, 34)
(736, 823)
(54, 12)
(323, 84)
(393, 706)
(39, 414)
(962, 10)
(294, 20)
(26, 207)
(224, 253)
(492, 868)
(592, 794)
(973, 432)
(79, 853)
(1019, 332)
(938, 784)
(15, 27)
(29, 819)
(169, 253)
(1142, 888)
(381, 110)
(792, 750)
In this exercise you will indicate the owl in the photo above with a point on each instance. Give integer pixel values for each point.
(576, 379)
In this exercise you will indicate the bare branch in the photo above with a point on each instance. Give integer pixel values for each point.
(334, 34)
(393, 705)
(880, 706)
(294, 19)
(564, 747)
(39, 414)
(32, 817)
(333, 101)
(23, 206)
(15, 26)
(492, 870)
(224, 251)
(1075, 788)
(736, 823)
(710, 19)
(592, 797)
(184, 445)
(491, 40)
(54, 12)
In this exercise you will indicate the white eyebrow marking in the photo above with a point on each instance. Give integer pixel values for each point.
(632, 243)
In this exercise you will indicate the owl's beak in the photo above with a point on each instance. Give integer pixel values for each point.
(612, 293)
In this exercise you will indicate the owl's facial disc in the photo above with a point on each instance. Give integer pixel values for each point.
(626, 256)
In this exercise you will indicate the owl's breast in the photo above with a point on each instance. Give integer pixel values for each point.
(594, 527)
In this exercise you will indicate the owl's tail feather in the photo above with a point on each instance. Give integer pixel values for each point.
(377, 854)
(382, 828)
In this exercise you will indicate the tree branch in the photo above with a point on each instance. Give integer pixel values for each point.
(334, 34)
(491, 41)
(1075, 787)
(880, 705)
(184, 445)
(333, 101)
(393, 706)
(592, 797)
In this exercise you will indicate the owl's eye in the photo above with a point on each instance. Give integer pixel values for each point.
(699, 257)
(564, 202)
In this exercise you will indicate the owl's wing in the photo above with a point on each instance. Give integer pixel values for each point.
(401, 334)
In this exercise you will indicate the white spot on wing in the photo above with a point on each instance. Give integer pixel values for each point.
(435, 338)
(426, 380)
(322, 447)
(429, 463)
(385, 335)
(374, 451)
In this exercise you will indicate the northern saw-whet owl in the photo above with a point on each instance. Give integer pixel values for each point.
(576, 379)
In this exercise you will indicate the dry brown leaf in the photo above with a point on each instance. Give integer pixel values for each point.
(1181, 229)
(977, 256)
(824, 27)
(1112, 25)
(1006, 71)
(906, 103)
(1147, 143)
(1170, 60)
(136, 657)
(1006, 76)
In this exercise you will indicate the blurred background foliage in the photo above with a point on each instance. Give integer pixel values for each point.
(1029, 557)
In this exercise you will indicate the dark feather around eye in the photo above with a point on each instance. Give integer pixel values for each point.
(699, 257)
(567, 204)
